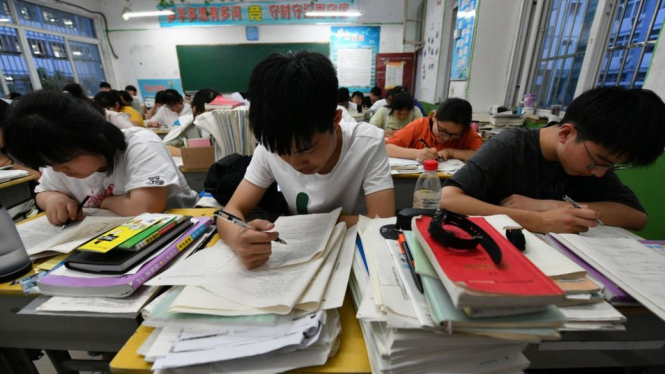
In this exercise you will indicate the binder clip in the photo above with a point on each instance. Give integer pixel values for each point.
(515, 235)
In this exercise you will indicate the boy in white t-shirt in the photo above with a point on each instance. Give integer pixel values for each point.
(319, 163)
(126, 171)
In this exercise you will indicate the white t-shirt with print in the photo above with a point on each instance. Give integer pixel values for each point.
(362, 169)
(145, 163)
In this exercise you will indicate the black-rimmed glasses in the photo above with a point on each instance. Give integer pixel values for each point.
(595, 164)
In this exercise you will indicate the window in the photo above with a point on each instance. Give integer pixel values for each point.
(12, 62)
(562, 48)
(51, 59)
(631, 43)
(5, 14)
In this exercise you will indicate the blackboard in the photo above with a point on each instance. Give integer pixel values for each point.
(227, 68)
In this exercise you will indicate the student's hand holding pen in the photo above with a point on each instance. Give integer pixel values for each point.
(567, 219)
(59, 207)
(252, 243)
(427, 154)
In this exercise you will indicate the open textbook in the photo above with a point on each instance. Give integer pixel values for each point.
(42, 239)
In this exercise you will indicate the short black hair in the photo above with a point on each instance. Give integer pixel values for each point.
(51, 127)
(376, 90)
(125, 96)
(14, 95)
(401, 101)
(626, 122)
(201, 98)
(104, 85)
(342, 95)
(357, 93)
(308, 78)
(172, 97)
(107, 99)
(455, 110)
(129, 87)
(160, 96)
(76, 91)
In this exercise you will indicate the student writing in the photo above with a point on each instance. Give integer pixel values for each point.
(398, 114)
(448, 132)
(319, 162)
(525, 173)
(126, 171)
(174, 107)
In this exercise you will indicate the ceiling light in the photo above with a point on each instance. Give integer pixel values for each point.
(5, 20)
(333, 13)
(77, 53)
(128, 15)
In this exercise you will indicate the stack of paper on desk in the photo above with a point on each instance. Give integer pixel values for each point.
(406, 166)
(222, 314)
(7, 175)
(401, 329)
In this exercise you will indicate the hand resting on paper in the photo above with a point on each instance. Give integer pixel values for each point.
(58, 207)
(253, 247)
(427, 154)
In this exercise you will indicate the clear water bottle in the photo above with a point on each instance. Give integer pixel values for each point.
(14, 260)
(427, 194)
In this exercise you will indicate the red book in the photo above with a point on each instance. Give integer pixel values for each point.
(473, 280)
(221, 102)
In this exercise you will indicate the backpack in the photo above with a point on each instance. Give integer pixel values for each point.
(225, 175)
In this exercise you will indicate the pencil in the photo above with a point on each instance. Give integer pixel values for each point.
(427, 146)
(233, 219)
(577, 206)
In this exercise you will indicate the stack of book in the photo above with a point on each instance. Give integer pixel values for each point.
(276, 317)
(8, 175)
(230, 129)
(117, 262)
(221, 102)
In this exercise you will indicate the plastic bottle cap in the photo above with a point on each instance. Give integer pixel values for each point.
(431, 165)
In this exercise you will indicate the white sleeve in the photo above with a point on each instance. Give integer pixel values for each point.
(148, 164)
(121, 121)
(158, 117)
(377, 174)
(259, 172)
(51, 181)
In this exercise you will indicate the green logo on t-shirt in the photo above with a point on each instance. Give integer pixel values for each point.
(302, 200)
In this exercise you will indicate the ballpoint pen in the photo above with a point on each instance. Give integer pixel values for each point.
(409, 260)
(577, 206)
(427, 146)
(78, 209)
(233, 219)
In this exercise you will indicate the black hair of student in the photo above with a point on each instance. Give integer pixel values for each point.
(401, 101)
(129, 87)
(104, 85)
(51, 127)
(3, 111)
(455, 110)
(172, 97)
(14, 95)
(201, 98)
(376, 90)
(126, 97)
(343, 95)
(107, 99)
(279, 81)
(76, 91)
(358, 94)
(627, 123)
(160, 97)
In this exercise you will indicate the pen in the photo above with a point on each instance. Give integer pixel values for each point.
(577, 206)
(427, 146)
(233, 219)
(409, 260)
(80, 206)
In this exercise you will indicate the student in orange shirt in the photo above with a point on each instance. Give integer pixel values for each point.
(446, 133)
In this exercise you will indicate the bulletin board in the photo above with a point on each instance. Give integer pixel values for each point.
(395, 69)
(227, 68)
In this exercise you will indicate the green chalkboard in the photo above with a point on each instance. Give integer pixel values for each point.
(227, 68)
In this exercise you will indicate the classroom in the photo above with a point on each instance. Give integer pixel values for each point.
(469, 71)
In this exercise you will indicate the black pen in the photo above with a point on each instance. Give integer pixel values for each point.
(427, 146)
(233, 219)
(409, 259)
(577, 206)
(78, 209)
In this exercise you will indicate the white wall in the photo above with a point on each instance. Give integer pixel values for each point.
(146, 51)
(655, 80)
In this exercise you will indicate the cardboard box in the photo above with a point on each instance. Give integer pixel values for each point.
(197, 158)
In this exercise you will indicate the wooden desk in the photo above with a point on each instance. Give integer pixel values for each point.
(22, 328)
(160, 131)
(404, 185)
(350, 358)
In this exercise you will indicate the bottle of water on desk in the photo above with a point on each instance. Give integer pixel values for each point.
(427, 194)
(14, 260)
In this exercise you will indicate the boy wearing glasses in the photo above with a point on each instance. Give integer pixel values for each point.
(445, 135)
(525, 173)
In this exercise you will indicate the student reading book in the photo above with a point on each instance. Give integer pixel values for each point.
(525, 173)
(126, 171)
(319, 162)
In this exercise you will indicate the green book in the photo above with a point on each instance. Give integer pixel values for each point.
(151, 233)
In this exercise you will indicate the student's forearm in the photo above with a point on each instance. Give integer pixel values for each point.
(462, 154)
(143, 200)
(400, 152)
(616, 214)
(44, 198)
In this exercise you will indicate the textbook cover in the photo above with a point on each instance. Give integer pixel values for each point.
(118, 235)
(221, 102)
(121, 285)
(153, 232)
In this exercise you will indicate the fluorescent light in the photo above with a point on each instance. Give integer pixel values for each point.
(128, 15)
(333, 13)
(77, 53)
(5, 20)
